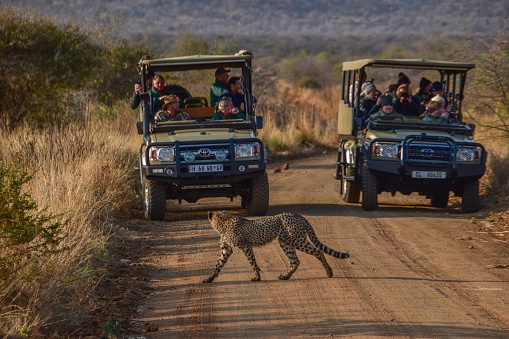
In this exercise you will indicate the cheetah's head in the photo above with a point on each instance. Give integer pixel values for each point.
(219, 219)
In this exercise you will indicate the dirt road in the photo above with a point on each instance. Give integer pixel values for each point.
(415, 271)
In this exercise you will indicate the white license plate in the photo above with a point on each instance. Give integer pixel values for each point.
(429, 174)
(205, 168)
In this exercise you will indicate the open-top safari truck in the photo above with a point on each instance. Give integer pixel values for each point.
(199, 158)
(411, 155)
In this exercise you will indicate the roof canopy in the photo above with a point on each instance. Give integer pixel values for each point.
(196, 62)
(407, 63)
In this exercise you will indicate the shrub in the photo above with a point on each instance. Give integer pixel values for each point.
(310, 83)
(40, 62)
(24, 230)
(488, 99)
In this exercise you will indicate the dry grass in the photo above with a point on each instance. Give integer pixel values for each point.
(83, 174)
(298, 120)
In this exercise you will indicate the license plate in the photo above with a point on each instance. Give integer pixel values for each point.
(205, 168)
(429, 174)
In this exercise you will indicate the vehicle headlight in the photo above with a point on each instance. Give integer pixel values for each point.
(162, 154)
(245, 151)
(385, 151)
(469, 155)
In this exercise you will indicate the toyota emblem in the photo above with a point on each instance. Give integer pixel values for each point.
(427, 152)
(204, 152)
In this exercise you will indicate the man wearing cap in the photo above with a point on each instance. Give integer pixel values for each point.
(387, 111)
(171, 110)
(220, 87)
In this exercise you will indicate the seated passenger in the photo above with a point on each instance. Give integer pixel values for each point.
(436, 112)
(220, 86)
(423, 94)
(171, 110)
(236, 92)
(387, 111)
(405, 103)
(403, 79)
(368, 98)
(226, 110)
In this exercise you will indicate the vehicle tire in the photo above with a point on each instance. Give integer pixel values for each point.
(154, 199)
(369, 190)
(470, 200)
(440, 200)
(350, 192)
(258, 201)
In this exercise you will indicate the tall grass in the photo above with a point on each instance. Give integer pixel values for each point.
(298, 120)
(83, 175)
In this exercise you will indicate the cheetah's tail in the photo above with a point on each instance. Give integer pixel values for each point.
(331, 252)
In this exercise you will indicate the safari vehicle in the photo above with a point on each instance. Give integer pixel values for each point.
(200, 158)
(411, 156)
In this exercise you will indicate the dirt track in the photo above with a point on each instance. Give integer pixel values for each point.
(415, 271)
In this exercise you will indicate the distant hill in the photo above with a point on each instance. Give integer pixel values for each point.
(316, 21)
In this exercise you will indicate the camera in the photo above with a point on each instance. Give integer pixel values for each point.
(404, 95)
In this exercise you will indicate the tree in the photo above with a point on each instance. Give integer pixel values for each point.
(40, 62)
(489, 97)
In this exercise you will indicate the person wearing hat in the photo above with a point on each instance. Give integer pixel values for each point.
(171, 110)
(423, 94)
(226, 110)
(368, 98)
(436, 112)
(387, 111)
(437, 88)
(403, 79)
(135, 100)
(405, 103)
(220, 86)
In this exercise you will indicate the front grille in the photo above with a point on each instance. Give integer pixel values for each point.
(420, 152)
(203, 154)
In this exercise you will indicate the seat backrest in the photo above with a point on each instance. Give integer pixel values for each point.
(196, 102)
(200, 112)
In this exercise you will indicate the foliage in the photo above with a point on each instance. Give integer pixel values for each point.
(117, 73)
(188, 44)
(40, 62)
(490, 105)
(112, 328)
(24, 230)
(316, 67)
(308, 82)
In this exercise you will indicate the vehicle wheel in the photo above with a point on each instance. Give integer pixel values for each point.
(369, 190)
(470, 200)
(154, 199)
(258, 201)
(350, 192)
(440, 199)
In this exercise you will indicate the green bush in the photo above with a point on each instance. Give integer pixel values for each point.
(24, 230)
(40, 63)
(308, 82)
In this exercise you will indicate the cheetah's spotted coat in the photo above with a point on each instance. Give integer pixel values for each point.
(291, 230)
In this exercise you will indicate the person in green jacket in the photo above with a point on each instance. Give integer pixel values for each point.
(157, 92)
(220, 86)
(226, 110)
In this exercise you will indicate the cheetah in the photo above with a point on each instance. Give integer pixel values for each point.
(291, 230)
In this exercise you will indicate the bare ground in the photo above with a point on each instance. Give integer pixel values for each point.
(415, 271)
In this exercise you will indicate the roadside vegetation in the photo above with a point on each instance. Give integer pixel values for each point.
(69, 147)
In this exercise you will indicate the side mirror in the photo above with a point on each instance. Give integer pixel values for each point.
(259, 121)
